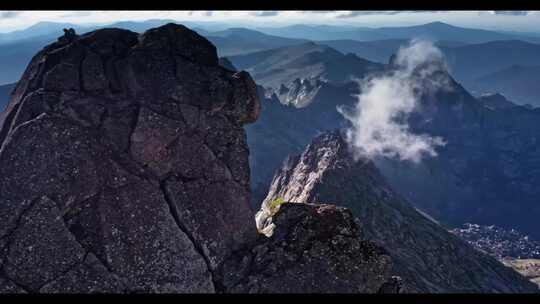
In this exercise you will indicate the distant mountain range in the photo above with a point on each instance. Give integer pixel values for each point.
(467, 61)
(378, 50)
(437, 31)
(54, 29)
(510, 67)
(15, 56)
(491, 51)
(282, 68)
(235, 41)
(519, 83)
(470, 62)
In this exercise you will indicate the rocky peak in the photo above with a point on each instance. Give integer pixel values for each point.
(426, 256)
(124, 165)
(180, 41)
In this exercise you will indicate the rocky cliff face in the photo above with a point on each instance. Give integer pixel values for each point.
(122, 149)
(124, 168)
(426, 256)
(313, 249)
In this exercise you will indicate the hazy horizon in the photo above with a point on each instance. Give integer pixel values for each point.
(522, 21)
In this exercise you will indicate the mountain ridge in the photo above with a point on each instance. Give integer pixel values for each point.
(426, 256)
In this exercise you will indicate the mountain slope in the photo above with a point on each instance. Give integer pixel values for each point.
(313, 32)
(519, 83)
(273, 67)
(236, 41)
(427, 257)
(378, 50)
(38, 30)
(297, 73)
(470, 62)
(436, 31)
(487, 168)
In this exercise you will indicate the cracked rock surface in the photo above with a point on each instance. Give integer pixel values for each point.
(124, 165)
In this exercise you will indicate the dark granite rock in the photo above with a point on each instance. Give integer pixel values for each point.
(124, 166)
(314, 249)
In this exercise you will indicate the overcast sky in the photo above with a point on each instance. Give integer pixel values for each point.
(528, 21)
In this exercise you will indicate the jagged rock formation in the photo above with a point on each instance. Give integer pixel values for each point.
(300, 92)
(283, 130)
(124, 165)
(124, 168)
(426, 256)
(314, 249)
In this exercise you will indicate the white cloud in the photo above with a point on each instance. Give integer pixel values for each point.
(379, 120)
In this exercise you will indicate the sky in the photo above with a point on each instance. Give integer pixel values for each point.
(524, 21)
